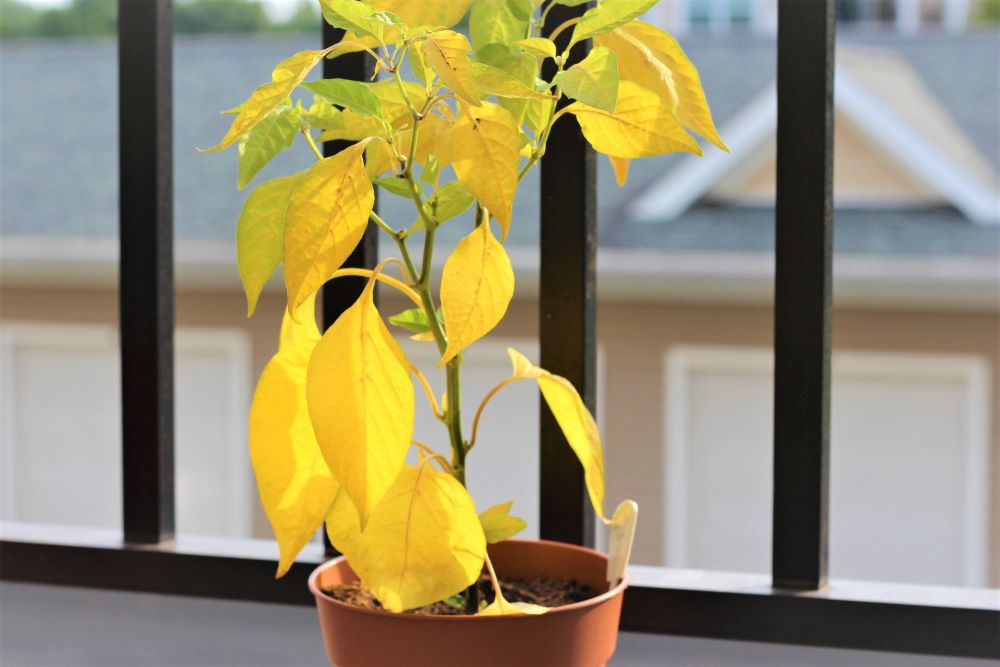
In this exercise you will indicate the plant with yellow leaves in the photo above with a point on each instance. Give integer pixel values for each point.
(332, 418)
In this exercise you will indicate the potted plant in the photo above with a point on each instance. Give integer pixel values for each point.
(449, 126)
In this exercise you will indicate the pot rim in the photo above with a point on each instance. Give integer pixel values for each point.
(589, 602)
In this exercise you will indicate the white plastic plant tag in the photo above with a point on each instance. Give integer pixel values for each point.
(620, 538)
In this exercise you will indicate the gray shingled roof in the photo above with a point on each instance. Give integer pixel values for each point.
(58, 145)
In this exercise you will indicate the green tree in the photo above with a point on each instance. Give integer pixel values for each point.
(17, 19)
(989, 12)
(220, 16)
(304, 19)
(82, 17)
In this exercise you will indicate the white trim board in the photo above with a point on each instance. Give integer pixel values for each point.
(692, 177)
(973, 373)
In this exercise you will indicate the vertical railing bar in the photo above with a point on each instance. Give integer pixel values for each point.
(146, 298)
(339, 295)
(803, 280)
(567, 305)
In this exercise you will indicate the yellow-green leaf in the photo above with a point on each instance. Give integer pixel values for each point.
(655, 60)
(607, 16)
(426, 12)
(499, 21)
(575, 421)
(447, 53)
(538, 46)
(296, 486)
(493, 81)
(352, 15)
(286, 76)
(268, 138)
(353, 95)
(348, 126)
(620, 167)
(594, 80)
(485, 151)
(641, 126)
(260, 234)
(326, 218)
(361, 402)
(499, 525)
(450, 200)
(423, 543)
(477, 284)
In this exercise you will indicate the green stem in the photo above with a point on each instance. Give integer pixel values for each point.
(453, 408)
(312, 144)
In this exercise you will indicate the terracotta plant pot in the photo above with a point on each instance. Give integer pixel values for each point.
(582, 634)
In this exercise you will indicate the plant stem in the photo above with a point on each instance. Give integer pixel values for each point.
(312, 144)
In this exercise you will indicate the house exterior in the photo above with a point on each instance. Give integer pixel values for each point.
(684, 323)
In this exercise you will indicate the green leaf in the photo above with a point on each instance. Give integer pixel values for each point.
(268, 138)
(521, 66)
(353, 95)
(450, 200)
(607, 16)
(499, 21)
(260, 234)
(414, 319)
(594, 80)
(493, 81)
(396, 185)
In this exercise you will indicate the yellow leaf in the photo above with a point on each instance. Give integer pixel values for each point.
(655, 60)
(620, 167)
(423, 543)
(260, 234)
(538, 46)
(447, 53)
(433, 138)
(499, 525)
(641, 126)
(477, 284)
(295, 484)
(393, 103)
(425, 12)
(485, 147)
(501, 607)
(286, 76)
(326, 219)
(575, 421)
(522, 368)
(361, 401)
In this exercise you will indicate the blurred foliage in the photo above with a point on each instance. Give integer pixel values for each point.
(989, 12)
(95, 18)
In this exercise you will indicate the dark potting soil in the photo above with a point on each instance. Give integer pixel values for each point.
(542, 590)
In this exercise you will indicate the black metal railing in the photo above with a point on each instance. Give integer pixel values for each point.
(794, 605)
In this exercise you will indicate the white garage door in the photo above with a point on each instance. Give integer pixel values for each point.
(61, 436)
(909, 491)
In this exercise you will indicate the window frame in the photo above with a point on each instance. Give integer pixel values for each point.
(796, 605)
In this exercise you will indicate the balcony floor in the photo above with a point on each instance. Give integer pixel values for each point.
(47, 625)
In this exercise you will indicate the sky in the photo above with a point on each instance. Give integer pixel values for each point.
(276, 9)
